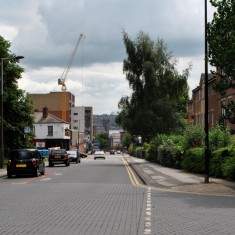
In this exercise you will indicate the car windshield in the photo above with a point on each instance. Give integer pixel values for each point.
(99, 152)
(58, 151)
(21, 155)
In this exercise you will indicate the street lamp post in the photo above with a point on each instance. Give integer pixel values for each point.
(206, 104)
(15, 60)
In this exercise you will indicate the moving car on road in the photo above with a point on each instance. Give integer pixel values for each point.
(25, 161)
(99, 154)
(74, 156)
(58, 156)
(112, 151)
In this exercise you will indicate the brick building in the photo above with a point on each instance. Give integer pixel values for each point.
(53, 101)
(196, 106)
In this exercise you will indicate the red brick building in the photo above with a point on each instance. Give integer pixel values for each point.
(53, 101)
(196, 106)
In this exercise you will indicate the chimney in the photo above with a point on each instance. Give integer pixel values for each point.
(45, 112)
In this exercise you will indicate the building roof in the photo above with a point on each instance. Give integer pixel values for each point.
(38, 118)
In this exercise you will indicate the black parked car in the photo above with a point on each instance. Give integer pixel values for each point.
(25, 161)
(58, 156)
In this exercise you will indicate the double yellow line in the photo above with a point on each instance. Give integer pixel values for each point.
(131, 174)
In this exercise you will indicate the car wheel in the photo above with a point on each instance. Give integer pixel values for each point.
(67, 164)
(36, 172)
(9, 175)
(43, 171)
(51, 164)
(94, 158)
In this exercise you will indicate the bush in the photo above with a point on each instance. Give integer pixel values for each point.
(171, 151)
(140, 152)
(218, 157)
(228, 168)
(194, 136)
(193, 160)
(219, 138)
(152, 149)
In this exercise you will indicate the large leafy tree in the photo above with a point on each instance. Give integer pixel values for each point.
(221, 53)
(103, 138)
(17, 105)
(158, 103)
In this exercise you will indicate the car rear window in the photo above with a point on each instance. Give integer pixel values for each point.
(58, 151)
(21, 155)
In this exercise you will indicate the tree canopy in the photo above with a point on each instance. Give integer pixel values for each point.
(17, 105)
(158, 103)
(103, 138)
(221, 41)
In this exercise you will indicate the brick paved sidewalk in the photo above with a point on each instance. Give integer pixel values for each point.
(169, 179)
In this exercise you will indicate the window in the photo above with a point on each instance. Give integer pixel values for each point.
(212, 118)
(223, 113)
(50, 131)
(75, 114)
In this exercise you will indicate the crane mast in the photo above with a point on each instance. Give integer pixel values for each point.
(62, 79)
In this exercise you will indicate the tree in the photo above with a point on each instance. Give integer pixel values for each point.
(158, 103)
(126, 141)
(103, 138)
(17, 105)
(221, 41)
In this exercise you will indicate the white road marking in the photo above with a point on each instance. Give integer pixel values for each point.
(45, 179)
(147, 225)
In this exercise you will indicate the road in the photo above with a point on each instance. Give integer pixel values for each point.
(105, 197)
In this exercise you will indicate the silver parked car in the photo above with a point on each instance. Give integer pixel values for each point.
(74, 156)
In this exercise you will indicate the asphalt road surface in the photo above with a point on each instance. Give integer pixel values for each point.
(105, 197)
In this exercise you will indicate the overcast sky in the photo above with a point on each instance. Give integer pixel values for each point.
(45, 32)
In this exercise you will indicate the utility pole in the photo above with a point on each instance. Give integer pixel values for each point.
(207, 151)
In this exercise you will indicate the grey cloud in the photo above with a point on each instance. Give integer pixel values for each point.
(61, 22)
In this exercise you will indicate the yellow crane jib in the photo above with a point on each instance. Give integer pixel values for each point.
(62, 79)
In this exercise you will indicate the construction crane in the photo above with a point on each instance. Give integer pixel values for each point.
(62, 79)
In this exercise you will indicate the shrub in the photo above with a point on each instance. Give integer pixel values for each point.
(228, 168)
(171, 151)
(219, 138)
(193, 160)
(194, 136)
(217, 159)
(152, 149)
(140, 152)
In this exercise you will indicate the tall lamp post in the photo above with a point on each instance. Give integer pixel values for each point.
(15, 59)
(207, 152)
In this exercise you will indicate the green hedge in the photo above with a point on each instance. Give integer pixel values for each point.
(228, 168)
(193, 160)
(218, 157)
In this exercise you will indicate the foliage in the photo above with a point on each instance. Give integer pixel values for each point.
(221, 53)
(221, 37)
(17, 105)
(160, 93)
(193, 160)
(217, 159)
(228, 168)
(219, 138)
(152, 149)
(103, 138)
(126, 141)
(194, 136)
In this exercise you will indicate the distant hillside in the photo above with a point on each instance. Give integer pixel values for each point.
(99, 119)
